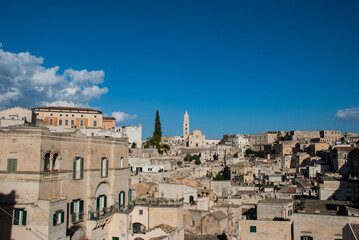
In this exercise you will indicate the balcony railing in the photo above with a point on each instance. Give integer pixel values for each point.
(106, 212)
(49, 176)
(77, 217)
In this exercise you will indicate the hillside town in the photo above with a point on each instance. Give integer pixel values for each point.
(71, 173)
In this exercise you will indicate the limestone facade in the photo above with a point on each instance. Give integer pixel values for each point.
(66, 177)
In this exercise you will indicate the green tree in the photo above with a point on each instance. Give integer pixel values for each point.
(197, 162)
(157, 134)
(219, 177)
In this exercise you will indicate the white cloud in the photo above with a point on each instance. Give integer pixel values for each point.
(25, 82)
(348, 114)
(121, 116)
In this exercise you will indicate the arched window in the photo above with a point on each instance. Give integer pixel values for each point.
(47, 162)
(104, 167)
(138, 228)
(55, 163)
(121, 162)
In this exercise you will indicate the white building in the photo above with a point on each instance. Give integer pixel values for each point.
(134, 134)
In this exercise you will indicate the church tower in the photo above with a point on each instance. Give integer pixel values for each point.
(186, 125)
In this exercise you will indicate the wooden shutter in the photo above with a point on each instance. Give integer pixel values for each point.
(105, 201)
(24, 217)
(98, 203)
(74, 170)
(81, 209)
(16, 217)
(54, 219)
(62, 215)
(81, 168)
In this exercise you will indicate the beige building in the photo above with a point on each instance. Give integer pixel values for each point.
(331, 135)
(317, 147)
(63, 182)
(257, 141)
(16, 116)
(70, 117)
(109, 123)
(157, 220)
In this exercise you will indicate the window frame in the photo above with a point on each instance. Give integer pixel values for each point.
(11, 165)
(253, 229)
(104, 174)
(74, 169)
(20, 215)
(77, 216)
(58, 218)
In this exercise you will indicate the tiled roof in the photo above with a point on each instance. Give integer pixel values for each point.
(109, 118)
(355, 228)
(66, 109)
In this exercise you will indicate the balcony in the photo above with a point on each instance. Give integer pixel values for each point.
(49, 176)
(107, 212)
(77, 217)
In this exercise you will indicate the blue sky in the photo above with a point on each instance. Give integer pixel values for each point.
(236, 66)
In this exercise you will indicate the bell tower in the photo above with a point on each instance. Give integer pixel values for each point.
(186, 125)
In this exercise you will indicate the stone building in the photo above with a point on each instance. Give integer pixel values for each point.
(109, 123)
(331, 135)
(70, 117)
(63, 182)
(258, 141)
(156, 220)
(16, 116)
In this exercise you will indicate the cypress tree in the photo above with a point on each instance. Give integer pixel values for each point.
(157, 134)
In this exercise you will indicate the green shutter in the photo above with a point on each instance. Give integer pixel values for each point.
(105, 201)
(62, 216)
(24, 217)
(124, 198)
(129, 195)
(54, 219)
(81, 168)
(72, 207)
(81, 205)
(102, 159)
(106, 167)
(16, 217)
(74, 169)
(81, 209)
(98, 203)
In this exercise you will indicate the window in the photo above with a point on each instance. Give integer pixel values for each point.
(140, 212)
(129, 195)
(306, 238)
(122, 198)
(72, 122)
(290, 213)
(81, 123)
(58, 218)
(66, 122)
(60, 122)
(47, 162)
(253, 229)
(51, 121)
(54, 162)
(95, 123)
(193, 223)
(11, 165)
(19, 216)
(76, 210)
(78, 168)
(101, 202)
(104, 167)
(121, 163)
